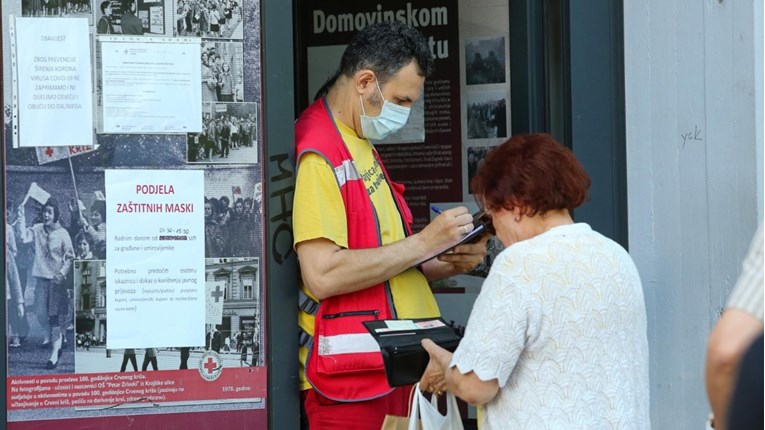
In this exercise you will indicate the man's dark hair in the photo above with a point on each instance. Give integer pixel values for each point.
(125, 5)
(384, 48)
(104, 5)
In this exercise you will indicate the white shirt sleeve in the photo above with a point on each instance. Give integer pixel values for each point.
(503, 321)
(747, 295)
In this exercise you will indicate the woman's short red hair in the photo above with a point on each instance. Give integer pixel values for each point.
(533, 172)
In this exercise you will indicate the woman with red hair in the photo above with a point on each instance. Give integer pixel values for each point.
(557, 336)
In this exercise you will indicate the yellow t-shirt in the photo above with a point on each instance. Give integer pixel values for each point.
(318, 212)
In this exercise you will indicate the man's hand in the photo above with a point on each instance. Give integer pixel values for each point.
(466, 257)
(461, 259)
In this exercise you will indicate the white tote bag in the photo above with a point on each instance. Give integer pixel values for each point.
(430, 418)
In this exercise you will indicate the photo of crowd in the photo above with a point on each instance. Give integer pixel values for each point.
(229, 135)
(47, 230)
(485, 61)
(222, 72)
(56, 8)
(233, 211)
(208, 18)
(486, 115)
(233, 225)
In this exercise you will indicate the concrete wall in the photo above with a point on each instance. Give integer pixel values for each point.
(694, 178)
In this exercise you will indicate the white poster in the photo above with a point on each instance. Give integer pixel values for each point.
(54, 86)
(151, 86)
(155, 247)
(214, 301)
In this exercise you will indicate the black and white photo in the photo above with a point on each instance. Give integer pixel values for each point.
(208, 18)
(44, 221)
(222, 72)
(57, 8)
(229, 135)
(233, 212)
(485, 60)
(475, 156)
(486, 115)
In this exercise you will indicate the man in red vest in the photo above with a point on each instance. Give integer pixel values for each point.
(352, 230)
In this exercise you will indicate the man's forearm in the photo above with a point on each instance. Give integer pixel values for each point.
(329, 270)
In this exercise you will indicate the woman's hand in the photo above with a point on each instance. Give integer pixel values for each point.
(434, 378)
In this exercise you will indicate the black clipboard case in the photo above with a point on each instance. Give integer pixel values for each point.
(403, 355)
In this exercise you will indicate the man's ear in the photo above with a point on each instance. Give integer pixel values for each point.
(365, 80)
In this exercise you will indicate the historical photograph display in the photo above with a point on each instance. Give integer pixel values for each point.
(485, 60)
(486, 115)
(59, 253)
(229, 135)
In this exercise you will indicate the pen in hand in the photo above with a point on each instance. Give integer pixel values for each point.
(436, 210)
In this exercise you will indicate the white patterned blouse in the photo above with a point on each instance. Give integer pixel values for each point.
(560, 323)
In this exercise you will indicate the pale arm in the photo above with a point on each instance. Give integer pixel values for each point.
(25, 234)
(730, 338)
(467, 387)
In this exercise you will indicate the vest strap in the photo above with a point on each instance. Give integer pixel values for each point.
(306, 303)
(303, 337)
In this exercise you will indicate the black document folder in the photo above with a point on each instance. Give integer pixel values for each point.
(404, 357)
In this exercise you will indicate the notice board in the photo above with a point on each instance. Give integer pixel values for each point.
(143, 115)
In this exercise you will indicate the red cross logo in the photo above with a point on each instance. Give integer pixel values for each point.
(210, 365)
(49, 151)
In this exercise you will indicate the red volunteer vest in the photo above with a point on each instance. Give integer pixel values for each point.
(344, 363)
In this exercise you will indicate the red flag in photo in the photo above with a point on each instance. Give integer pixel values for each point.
(49, 154)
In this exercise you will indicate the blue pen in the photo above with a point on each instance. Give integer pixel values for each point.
(435, 209)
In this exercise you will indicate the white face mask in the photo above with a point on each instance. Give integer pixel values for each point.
(392, 118)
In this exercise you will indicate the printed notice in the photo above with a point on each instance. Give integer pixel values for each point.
(54, 84)
(155, 278)
(151, 87)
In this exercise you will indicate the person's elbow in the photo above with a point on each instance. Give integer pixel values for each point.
(723, 353)
(317, 264)
(478, 399)
(729, 340)
(317, 285)
(476, 392)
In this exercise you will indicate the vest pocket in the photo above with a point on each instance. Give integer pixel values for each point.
(345, 345)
